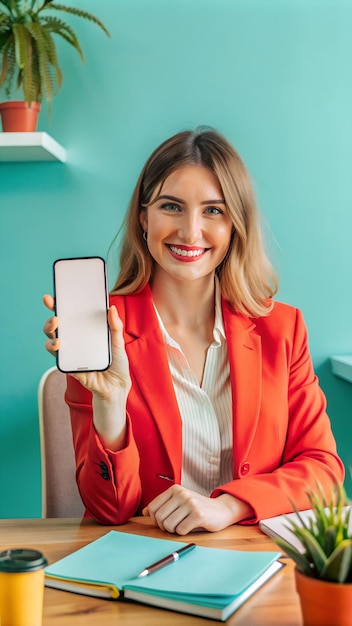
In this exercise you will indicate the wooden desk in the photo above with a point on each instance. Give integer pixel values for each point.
(275, 604)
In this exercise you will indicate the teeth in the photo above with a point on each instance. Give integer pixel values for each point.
(189, 253)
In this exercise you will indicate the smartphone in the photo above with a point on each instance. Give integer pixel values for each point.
(81, 305)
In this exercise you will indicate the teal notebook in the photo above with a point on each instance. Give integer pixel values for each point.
(209, 582)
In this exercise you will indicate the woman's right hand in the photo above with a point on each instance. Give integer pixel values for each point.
(105, 384)
(110, 388)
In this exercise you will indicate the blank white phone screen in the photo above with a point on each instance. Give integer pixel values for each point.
(81, 304)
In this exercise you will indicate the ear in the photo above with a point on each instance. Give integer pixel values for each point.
(143, 219)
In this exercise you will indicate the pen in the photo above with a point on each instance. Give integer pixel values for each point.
(170, 558)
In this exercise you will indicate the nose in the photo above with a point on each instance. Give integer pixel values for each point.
(190, 228)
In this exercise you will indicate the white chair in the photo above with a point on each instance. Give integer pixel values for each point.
(60, 496)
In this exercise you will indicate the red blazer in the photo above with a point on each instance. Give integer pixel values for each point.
(282, 439)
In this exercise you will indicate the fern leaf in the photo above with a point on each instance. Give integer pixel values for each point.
(23, 44)
(57, 26)
(79, 13)
(8, 66)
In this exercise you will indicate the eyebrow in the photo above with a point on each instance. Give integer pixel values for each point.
(166, 197)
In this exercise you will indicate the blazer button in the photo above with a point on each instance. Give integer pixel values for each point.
(245, 467)
(104, 471)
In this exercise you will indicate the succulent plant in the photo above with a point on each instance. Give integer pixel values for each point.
(27, 47)
(325, 538)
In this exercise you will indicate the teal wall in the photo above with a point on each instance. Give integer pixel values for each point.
(276, 77)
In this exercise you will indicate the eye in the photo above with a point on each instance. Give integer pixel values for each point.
(171, 206)
(214, 210)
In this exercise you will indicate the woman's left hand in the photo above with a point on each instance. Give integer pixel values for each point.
(181, 511)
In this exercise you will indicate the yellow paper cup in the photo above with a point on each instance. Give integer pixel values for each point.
(21, 587)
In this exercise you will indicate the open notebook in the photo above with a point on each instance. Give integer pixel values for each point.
(279, 527)
(207, 581)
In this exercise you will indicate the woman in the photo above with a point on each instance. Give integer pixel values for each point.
(210, 413)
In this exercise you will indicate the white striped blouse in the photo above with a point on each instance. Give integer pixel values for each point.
(206, 410)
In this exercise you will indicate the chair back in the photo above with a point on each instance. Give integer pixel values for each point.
(60, 495)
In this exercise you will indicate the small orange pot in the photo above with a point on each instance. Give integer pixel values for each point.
(19, 117)
(324, 603)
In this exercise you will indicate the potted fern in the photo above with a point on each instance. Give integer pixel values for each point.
(323, 572)
(28, 57)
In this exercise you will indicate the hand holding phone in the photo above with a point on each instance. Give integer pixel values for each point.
(81, 305)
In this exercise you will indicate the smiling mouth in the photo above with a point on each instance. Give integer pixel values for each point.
(189, 253)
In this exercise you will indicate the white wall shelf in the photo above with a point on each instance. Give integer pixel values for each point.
(342, 366)
(30, 147)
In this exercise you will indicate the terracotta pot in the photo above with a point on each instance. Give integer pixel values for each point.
(324, 603)
(19, 117)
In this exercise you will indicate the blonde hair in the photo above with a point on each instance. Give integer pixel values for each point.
(246, 275)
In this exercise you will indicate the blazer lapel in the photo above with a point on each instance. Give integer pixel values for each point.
(245, 357)
(145, 347)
